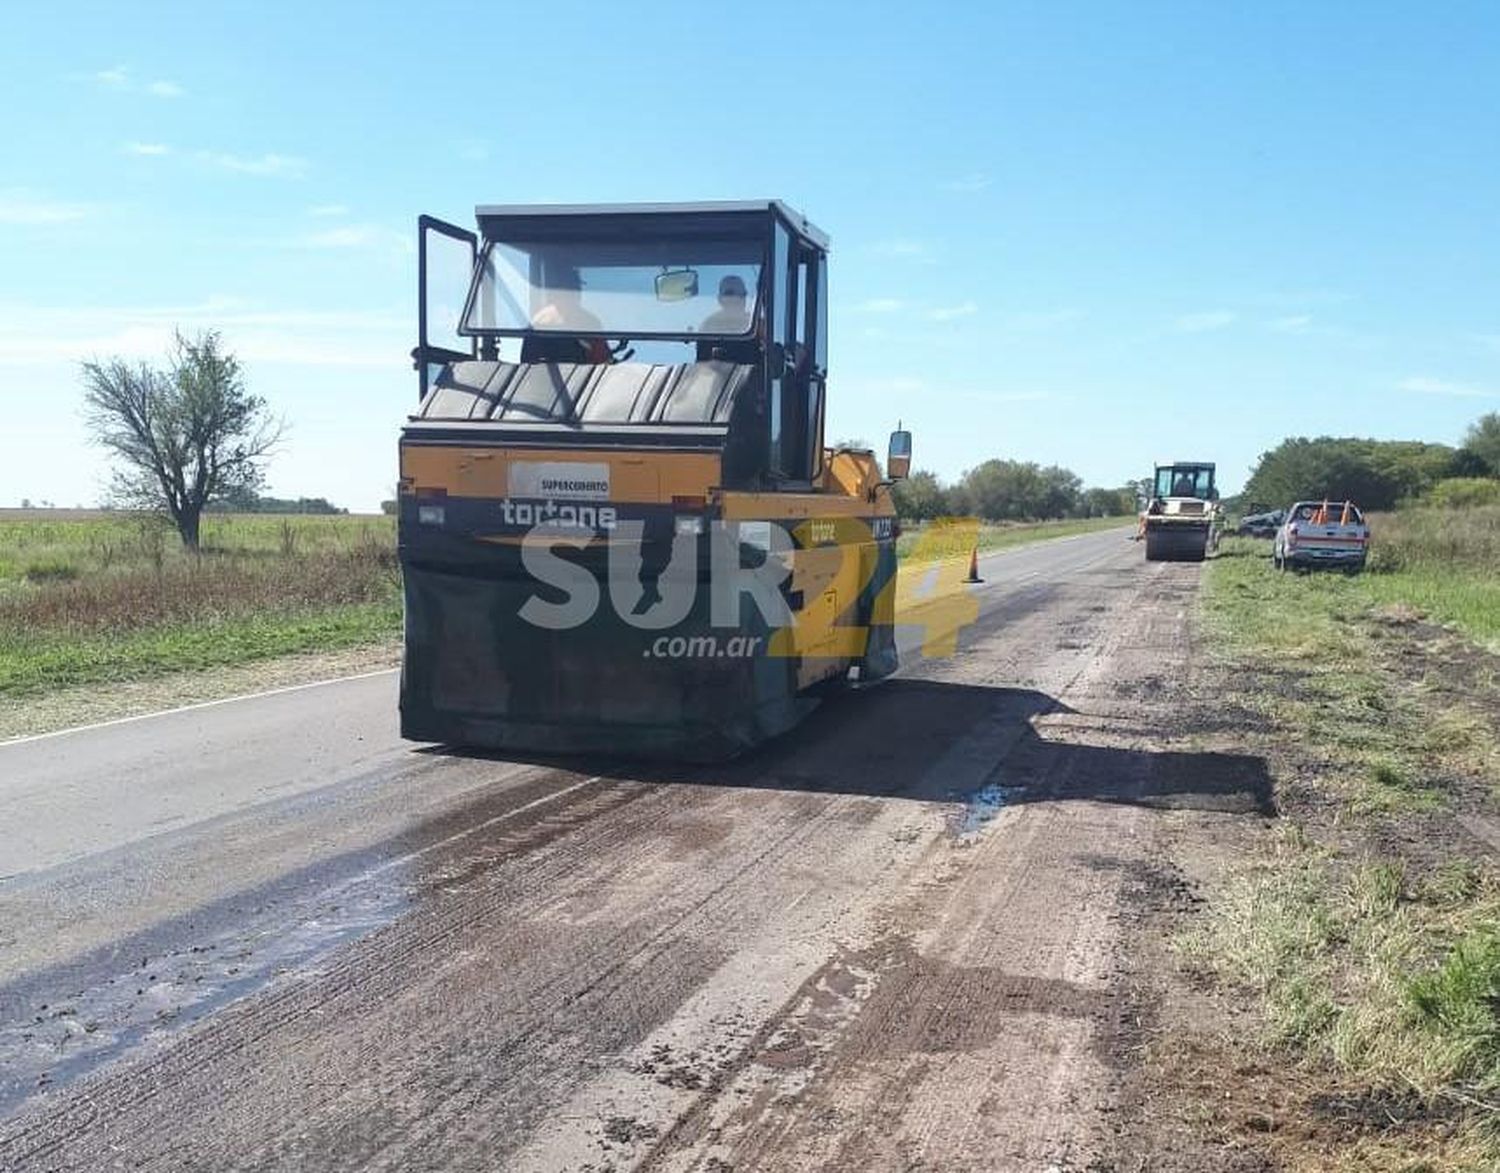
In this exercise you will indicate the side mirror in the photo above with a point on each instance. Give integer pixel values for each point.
(676, 284)
(898, 457)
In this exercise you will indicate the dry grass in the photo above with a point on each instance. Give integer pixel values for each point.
(1368, 934)
(1432, 539)
(109, 596)
(211, 586)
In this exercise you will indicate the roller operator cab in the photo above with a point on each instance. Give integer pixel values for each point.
(620, 529)
(1183, 518)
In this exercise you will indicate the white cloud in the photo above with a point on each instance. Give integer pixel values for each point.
(880, 305)
(119, 78)
(31, 336)
(1426, 385)
(968, 183)
(147, 149)
(1292, 324)
(902, 248)
(949, 313)
(1202, 322)
(20, 207)
(474, 150)
(354, 236)
(270, 163)
(350, 236)
(328, 210)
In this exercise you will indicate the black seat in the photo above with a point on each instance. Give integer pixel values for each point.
(553, 348)
(743, 351)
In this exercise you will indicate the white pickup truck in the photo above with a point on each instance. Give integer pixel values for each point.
(1322, 533)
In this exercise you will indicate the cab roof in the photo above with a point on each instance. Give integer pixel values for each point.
(497, 220)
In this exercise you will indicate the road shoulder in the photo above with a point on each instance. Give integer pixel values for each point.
(1324, 991)
(93, 704)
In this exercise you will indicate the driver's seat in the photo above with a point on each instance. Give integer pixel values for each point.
(741, 351)
(537, 348)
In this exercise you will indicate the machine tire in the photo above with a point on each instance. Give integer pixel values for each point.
(1154, 548)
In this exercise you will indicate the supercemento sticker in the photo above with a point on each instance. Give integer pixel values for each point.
(560, 481)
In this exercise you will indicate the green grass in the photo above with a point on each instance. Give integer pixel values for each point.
(1444, 562)
(1385, 976)
(38, 663)
(1467, 600)
(1452, 1006)
(106, 597)
(1383, 972)
(1315, 628)
(939, 540)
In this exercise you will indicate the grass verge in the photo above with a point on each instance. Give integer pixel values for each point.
(1367, 928)
(34, 664)
(109, 598)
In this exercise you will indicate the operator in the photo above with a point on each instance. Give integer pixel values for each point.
(732, 317)
(1183, 486)
(564, 311)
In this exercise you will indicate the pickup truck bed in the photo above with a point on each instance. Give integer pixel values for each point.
(1321, 533)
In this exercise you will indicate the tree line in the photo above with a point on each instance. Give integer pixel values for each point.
(1378, 474)
(1011, 490)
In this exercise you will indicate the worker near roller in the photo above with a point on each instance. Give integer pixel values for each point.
(564, 312)
(733, 314)
(732, 317)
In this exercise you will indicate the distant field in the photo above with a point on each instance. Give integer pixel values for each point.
(95, 596)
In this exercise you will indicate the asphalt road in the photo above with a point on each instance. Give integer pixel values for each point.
(266, 933)
(78, 793)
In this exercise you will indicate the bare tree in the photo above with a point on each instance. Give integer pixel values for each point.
(183, 436)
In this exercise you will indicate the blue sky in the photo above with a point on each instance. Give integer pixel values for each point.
(1088, 234)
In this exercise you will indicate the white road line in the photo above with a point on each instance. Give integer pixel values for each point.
(226, 700)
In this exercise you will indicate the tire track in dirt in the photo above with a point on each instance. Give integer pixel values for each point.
(969, 1036)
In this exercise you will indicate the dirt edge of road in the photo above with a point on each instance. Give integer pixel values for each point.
(93, 704)
(1298, 983)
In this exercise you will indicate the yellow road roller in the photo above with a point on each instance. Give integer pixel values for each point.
(620, 528)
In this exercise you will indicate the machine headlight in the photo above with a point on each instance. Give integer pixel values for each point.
(431, 514)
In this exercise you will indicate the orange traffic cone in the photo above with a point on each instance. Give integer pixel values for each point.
(974, 566)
